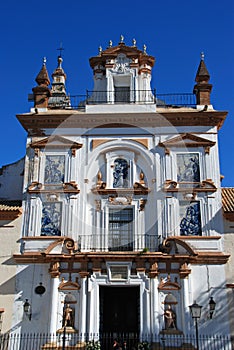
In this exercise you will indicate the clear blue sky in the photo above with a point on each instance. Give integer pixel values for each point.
(175, 32)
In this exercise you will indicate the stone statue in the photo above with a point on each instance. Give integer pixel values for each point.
(68, 319)
(170, 318)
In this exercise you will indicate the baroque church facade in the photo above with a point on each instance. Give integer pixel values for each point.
(121, 224)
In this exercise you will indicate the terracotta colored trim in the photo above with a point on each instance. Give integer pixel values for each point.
(153, 257)
(98, 142)
(198, 238)
(229, 216)
(47, 142)
(143, 142)
(121, 191)
(10, 214)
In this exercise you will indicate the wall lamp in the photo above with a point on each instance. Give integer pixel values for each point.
(27, 309)
(212, 305)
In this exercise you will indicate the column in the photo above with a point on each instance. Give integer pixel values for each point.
(54, 272)
(185, 317)
(83, 304)
(154, 306)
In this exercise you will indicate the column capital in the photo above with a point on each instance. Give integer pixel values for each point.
(54, 269)
(84, 274)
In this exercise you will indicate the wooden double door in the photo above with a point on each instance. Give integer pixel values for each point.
(119, 310)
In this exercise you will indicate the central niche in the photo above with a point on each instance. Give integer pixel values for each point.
(120, 173)
(120, 166)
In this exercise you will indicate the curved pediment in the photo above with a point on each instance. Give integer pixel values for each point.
(113, 52)
(176, 245)
(69, 285)
(63, 245)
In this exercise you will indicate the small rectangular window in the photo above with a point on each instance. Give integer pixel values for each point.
(119, 272)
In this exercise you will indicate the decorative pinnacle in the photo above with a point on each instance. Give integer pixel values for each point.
(134, 42)
(44, 61)
(60, 60)
(100, 50)
(110, 43)
(202, 56)
(121, 38)
(144, 49)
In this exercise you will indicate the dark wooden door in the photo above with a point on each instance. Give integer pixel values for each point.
(119, 309)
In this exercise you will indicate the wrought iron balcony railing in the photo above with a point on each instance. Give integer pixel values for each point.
(134, 97)
(101, 243)
(122, 96)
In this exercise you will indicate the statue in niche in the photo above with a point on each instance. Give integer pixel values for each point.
(120, 173)
(68, 317)
(170, 318)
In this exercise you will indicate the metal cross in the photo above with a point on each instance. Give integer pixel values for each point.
(60, 49)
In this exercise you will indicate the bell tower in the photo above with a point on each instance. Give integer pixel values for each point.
(122, 74)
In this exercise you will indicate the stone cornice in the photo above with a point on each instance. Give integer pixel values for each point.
(67, 187)
(35, 124)
(189, 187)
(211, 258)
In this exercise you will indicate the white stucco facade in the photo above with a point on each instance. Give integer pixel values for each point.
(122, 211)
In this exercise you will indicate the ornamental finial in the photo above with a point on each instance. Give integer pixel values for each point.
(202, 56)
(100, 50)
(134, 42)
(110, 43)
(44, 61)
(121, 39)
(144, 48)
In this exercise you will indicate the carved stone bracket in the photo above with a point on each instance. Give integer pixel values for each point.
(70, 245)
(142, 204)
(139, 188)
(184, 271)
(125, 200)
(67, 187)
(54, 269)
(189, 187)
(153, 272)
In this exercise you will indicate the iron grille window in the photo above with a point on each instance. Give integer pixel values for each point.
(121, 229)
(122, 94)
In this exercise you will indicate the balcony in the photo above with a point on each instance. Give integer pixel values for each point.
(122, 96)
(102, 243)
(93, 243)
